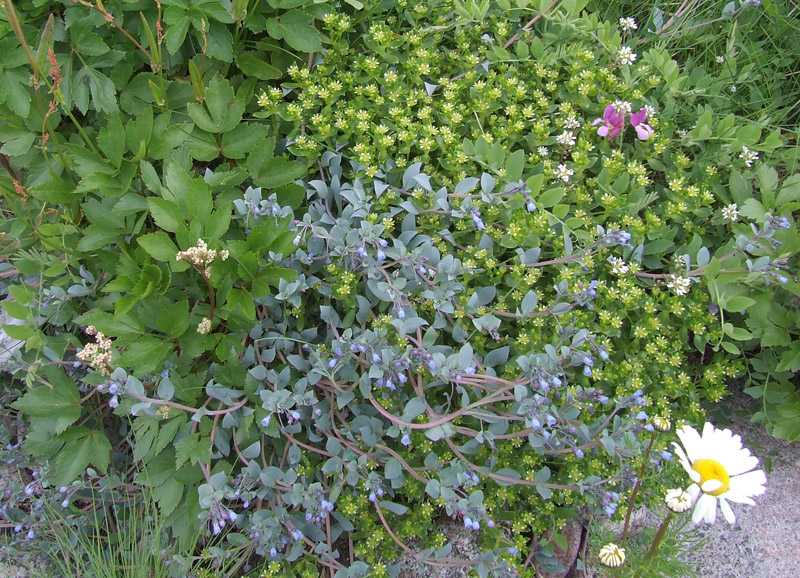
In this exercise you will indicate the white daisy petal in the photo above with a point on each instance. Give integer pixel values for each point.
(698, 513)
(684, 461)
(711, 485)
(726, 511)
(711, 508)
(739, 499)
(691, 441)
(742, 465)
(749, 484)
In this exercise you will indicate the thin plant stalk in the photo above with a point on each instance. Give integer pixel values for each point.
(636, 486)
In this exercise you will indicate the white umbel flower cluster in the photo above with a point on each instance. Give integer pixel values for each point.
(97, 354)
(201, 257)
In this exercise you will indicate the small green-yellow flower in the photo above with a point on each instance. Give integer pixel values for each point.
(612, 555)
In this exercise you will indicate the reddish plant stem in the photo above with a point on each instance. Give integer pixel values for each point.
(636, 486)
(176, 405)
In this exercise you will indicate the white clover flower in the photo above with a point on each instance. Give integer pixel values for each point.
(628, 24)
(564, 173)
(618, 266)
(678, 500)
(680, 285)
(720, 59)
(612, 555)
(721, 470)
(623, 106)
(731, 212)
(748, 156)
(566, 138)
(626, 55)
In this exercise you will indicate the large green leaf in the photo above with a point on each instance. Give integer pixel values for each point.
(279, 171)
(82, 446)
(174, 320)
(295, 28)
(159, 246)
(61, 399)
(145, 354)
(254, 64)
(167, 214)
(193, 447)
(237, 143)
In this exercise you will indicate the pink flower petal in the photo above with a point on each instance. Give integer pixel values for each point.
(643, 131)
(639, 117)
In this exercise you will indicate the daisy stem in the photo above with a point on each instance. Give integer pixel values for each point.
(662, 529)
(635, 491)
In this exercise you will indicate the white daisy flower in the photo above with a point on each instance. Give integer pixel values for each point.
(721, 470)
(678, 500)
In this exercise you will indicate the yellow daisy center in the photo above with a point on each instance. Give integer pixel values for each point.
(712, 470)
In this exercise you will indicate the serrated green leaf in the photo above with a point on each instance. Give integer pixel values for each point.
(105, 322)
(14, 93)
(145, 354)
(225, 111)
(279, 171)
(238, 143)
(62, 400)
(217, 224)
(159, 246)
(96, 236)
(244, 300)
(104, 96)
(219, 43)
(194, 448)
(168, 495)
(294, 27)
(174, 320)
(16, 142)
(752, 209)
(167, 214)
(254, 64)
(82, 446)
(178, 27)
(201, 118)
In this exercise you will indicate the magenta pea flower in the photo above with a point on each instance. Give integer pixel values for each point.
(611, 121)
(643, 130)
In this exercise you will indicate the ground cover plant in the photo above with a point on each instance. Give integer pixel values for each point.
(331, 272)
